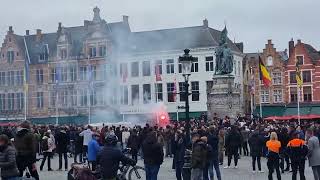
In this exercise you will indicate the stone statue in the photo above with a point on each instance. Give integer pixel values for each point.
(224, 57)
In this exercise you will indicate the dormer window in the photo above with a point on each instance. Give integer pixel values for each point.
(63, 53)
(44, 53)
(102, 51)
(92, 52)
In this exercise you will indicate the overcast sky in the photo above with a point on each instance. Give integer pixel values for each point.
(249, 21)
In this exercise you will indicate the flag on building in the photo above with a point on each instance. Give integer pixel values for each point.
(298, 74)
(264, 74)
(158, 76)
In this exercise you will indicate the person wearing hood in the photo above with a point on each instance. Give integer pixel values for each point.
(314, 153)
(25, 144)
(9, 170)
(62, 141)
(47, 146)
(256, 144)
(153, 156)
(93, 150)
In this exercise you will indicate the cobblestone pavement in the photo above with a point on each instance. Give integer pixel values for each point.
(244, 171)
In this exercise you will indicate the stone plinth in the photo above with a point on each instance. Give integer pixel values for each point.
(224, 97)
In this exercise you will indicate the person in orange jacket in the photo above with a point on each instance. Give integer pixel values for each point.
(297, 151)
(273, 156)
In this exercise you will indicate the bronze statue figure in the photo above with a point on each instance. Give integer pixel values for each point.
(224, 57)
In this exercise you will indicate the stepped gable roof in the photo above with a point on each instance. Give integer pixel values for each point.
(312, 52)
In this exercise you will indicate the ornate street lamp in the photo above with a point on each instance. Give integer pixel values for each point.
(186, 62)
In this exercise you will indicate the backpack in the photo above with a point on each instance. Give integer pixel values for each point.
(44, 144)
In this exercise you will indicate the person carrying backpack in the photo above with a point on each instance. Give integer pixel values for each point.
(47, 146)
(297, 151)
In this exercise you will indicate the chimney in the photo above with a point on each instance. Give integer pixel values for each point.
(10, 29)
(299, 41)
(39, 34)
(125, 19)
(27, 32)
(205, 23)
(269, 41)
(291, 47)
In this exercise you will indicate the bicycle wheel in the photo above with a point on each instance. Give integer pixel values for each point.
(137, 173)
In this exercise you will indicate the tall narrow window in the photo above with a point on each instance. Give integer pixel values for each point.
(39, 76)
(277, 95)
(293, 94)
(53, 75)
(195, 91)
(2, 102)
(209, 63)
(19, 78)
(93, 97)
(73, 97)
(64, 98)
(182, 91)
(158, 67)
(102, 51)
(134, 69)
(276, 78)
(170, 66)
(265, 96)
(124, 95)
(2, 78)
(64, 74)
(195, 66)
(39, 100)
(53, 98)
(10, 78)
(11, 101)
(159, 92)
(293, 79)
(146, 93)
(10, 56)
(83, 73)
(20, 101)
(73, 73)
(300, 60)
(170, 92)
(307, 94)
(83, 97)
(146, 68)
(135, 94)
(63, 53)
(92, 52)
(306, 75)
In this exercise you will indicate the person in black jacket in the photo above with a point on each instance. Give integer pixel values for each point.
(153, 156)
(134, 144)
(62, 141)
(232, 144)
(284, 139)
(180, 147)
(213, 141)
(256, 144)
(78, 145)
(109, 158)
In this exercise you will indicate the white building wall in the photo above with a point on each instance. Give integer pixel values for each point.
(202, 76)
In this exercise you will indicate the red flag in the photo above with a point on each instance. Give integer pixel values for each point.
(158, 76)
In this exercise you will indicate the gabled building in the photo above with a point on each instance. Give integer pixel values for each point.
(102, 70)
(274, 94)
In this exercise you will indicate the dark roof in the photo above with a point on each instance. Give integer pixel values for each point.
(124, 40)
(312, 52)
(176, 39)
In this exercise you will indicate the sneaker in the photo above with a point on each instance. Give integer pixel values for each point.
(261, 171)
(253, 172)
(226, 167)
(50, 169)
(235, 167)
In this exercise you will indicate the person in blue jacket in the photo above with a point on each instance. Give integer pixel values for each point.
(93, 150)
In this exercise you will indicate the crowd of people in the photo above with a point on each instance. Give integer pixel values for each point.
(286, 146)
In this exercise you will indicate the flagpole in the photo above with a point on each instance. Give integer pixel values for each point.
(298, 103)
(25, 102)
(57, 113)
(89, 69)
(260, 99)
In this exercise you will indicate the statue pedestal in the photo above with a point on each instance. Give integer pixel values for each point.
(224, 97)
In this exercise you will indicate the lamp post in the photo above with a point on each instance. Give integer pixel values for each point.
(186, 62)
